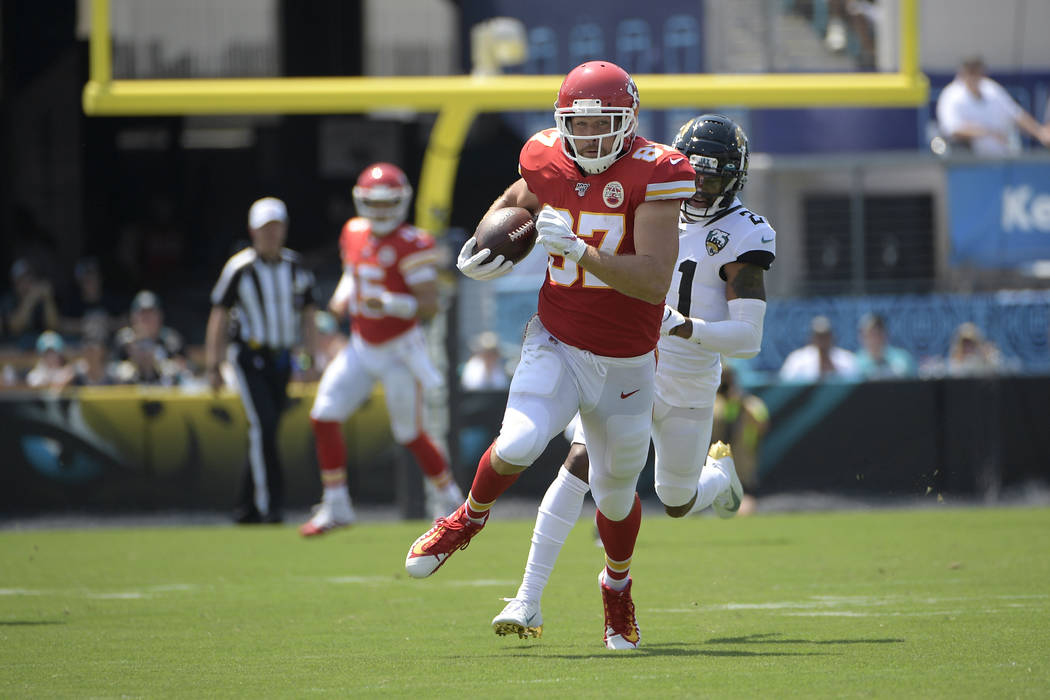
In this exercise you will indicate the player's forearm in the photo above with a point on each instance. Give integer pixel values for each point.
(517, 195)
(426, 298)
(339, 304)
(738, 336)
(640, 276)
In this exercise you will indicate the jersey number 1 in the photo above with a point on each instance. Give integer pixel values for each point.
(685, 286)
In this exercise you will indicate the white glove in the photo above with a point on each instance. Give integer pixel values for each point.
(556, 235)
(470, 263)
(672, 319)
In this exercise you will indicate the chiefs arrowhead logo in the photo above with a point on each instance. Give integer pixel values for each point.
(613, 195)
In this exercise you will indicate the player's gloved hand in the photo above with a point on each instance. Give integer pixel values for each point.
(672, 319)
(470, 262)
(554, 232)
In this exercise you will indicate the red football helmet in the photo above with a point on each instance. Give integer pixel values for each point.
(382, 195)
(597, 88)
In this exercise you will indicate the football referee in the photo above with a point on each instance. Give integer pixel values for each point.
(263, 304)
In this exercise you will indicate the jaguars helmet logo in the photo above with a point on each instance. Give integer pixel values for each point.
(716, 241)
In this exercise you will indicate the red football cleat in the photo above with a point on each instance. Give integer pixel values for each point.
(621, 627)
(436, 545)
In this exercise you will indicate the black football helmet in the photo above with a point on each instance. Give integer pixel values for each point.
(718, 150)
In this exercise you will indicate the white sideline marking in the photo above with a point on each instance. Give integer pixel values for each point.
(818, 605)
(125, 595)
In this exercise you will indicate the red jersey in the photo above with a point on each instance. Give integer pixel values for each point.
(574, 305)
(375, 264)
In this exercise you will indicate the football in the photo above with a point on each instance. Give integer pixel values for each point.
(509, 231)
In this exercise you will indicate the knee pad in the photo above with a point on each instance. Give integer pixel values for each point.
(614, 504)
(674, 496)
(521, 440)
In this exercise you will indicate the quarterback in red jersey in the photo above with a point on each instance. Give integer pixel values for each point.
(389, 284)
(607, 203)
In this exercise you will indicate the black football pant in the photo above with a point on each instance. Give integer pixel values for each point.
(262, 376)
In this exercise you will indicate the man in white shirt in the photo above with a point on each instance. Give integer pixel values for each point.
(820, 359)
(975, 112)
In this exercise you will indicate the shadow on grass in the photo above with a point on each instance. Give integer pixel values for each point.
(30, 623)
(775, 638)
(667, 649)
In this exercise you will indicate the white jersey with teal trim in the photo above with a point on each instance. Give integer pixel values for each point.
(688, 374)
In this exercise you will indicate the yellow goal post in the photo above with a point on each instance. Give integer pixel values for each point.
(458, 99)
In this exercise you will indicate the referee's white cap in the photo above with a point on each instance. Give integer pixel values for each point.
(266, 210)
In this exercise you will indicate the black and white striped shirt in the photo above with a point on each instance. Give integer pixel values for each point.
(266, 299)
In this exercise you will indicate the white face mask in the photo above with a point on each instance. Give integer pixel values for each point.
(386, 208)
(621, 130)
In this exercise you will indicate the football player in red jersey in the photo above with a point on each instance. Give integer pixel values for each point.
(607, 203)
(715, 308)
(389, 285)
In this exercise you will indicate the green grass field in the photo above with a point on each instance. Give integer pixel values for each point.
(905, 603)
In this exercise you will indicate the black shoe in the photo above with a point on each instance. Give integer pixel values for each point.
(272, 518)
(247, 516)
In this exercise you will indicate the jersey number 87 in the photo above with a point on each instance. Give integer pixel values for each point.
(602, 231)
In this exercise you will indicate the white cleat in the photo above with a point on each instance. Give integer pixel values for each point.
(328, 516)
(727, 503)
(520, 617)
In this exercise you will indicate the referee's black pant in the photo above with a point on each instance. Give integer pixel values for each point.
(262, 378)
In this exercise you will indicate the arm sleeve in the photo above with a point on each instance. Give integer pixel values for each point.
(738, 336)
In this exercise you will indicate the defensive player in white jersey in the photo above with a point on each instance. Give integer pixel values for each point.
(389, 285)
(608, 205)
(715, 307)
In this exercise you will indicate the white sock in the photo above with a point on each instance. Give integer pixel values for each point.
(712, 482)
(617, 584)
(336, 494)
(559, 511)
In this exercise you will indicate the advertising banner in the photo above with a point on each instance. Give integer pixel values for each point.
(999, 214)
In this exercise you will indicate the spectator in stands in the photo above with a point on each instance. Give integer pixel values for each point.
(820, 359)
(147, 351)
(146, 323)
(976, 113)
(485, 370)
(859, 17)
(970, 354)
(877, 359)
(52, 370)
(89, 300)
(741, 419)
(93, 365)
(146, 363)
(30, 308)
